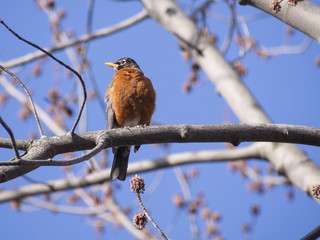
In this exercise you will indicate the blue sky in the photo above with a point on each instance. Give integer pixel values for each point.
(286, 86)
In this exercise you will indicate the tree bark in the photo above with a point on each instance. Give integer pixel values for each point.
(305, 16)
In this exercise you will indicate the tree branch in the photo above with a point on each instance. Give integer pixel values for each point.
(133, 168)
(20, 144)
(122, 218)
(12, 139)
(232, 133)
(43, 115)
(67, 208)
(287, 49)
(305, 16)
(85, 38)
(34, 110)
(49, 147)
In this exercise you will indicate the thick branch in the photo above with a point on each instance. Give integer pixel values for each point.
(305, 16)
(47, 148)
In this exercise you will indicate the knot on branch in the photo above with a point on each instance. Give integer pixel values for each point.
(170, 11)
(184, 132)
(235, 142)
(244, 2)
(103, 138)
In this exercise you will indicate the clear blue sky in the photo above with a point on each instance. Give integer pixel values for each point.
(286, 86)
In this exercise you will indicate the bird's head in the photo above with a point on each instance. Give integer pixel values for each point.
(123, 63)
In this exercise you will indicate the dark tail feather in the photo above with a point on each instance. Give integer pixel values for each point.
(120, 163)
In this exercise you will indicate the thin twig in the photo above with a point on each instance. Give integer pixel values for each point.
(149, 217)
(245, 42)
(114, 213)
(265, 179)
(43, 115)
(96, 89)
(288, 49)
(202, 8)
(60, 62)
(122, 217)
(29, 97)
(92, 210)
(227, 41)
(90, 16)
(84, 54)
(13, 141)
(187, 196)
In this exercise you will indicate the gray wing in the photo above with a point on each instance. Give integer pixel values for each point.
(111, 117)
(110, 109)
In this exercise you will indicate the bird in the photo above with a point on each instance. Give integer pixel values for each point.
(130, 99)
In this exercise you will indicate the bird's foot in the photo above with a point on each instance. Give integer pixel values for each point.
(142, 125)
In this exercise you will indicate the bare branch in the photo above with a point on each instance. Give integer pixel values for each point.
(84, 59)
(14, 92)
(305, 16)
(20, 144)
(133, 168)
(13, 140)
(66, 208)
(122, 218)
(187, 197)
(232, 24)
(90, 16)
(60, 62)
(47, 148)
(85, 38)
(232, 133)
(89, 154)
(287, 49)
(34, 111)
(202, 8)
(150, 218)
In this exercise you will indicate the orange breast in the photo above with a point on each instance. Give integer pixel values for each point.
(133, 97)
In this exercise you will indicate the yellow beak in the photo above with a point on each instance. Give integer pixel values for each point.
(111, 64)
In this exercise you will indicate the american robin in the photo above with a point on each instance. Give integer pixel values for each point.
(130, 99)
